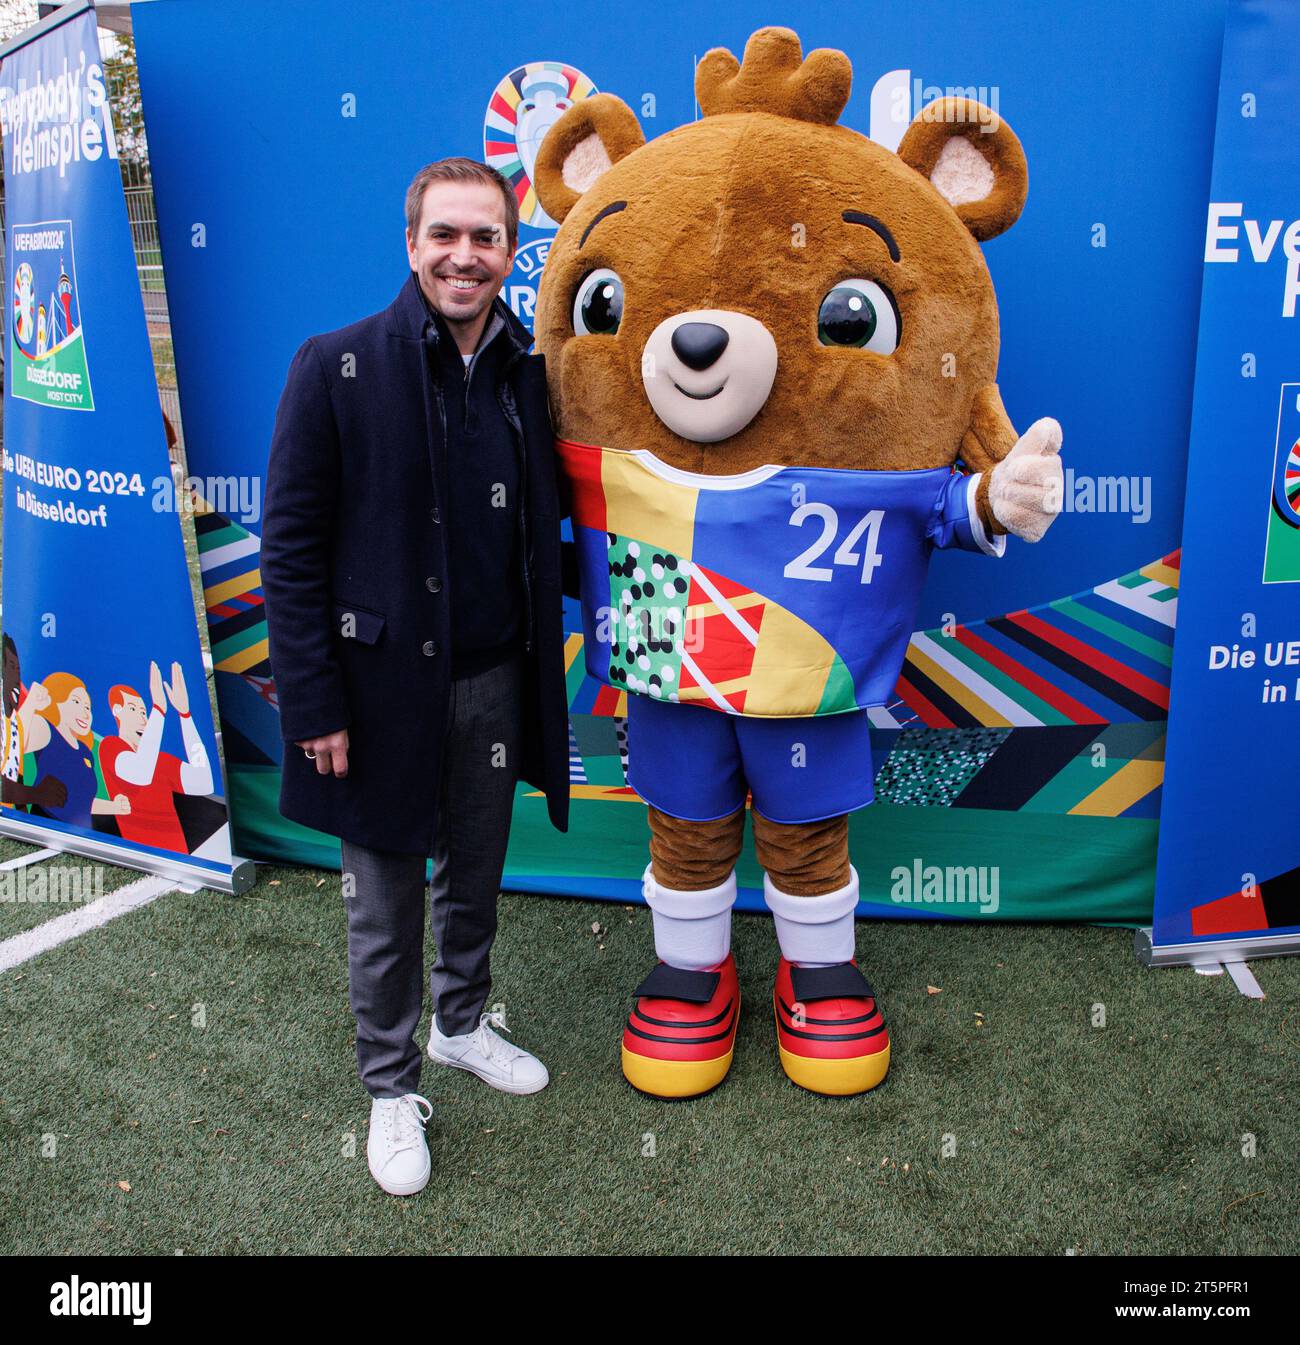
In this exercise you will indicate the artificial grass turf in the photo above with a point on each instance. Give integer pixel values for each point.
(236, 1136)
(39, 902)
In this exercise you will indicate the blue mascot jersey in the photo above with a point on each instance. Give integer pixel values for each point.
(784, 591)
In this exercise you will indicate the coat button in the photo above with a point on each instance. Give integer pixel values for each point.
(433, 584)
(435, 515)
(430, 649)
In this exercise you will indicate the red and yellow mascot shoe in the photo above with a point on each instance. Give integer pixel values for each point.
(829, 1028)
(681, 1033)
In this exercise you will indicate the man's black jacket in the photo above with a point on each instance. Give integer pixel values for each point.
(355, 575)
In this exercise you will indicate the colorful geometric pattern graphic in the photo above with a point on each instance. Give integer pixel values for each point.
(1055, 709)
(1098, 657)
(232, 593)
(1273, 903)
(778, 592)
(649, 593)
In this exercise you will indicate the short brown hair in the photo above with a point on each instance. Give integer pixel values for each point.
(460, 170)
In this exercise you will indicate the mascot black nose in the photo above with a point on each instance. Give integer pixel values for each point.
(698, 344)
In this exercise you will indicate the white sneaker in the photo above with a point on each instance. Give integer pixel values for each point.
(398, 1155)
(494, 1060)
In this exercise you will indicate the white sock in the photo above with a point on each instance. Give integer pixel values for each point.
(815, 931)
(692, 929)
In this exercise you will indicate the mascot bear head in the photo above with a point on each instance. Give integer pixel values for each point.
(766, 286)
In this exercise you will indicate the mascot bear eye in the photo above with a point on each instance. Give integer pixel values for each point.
(598, 305)
(859, 313)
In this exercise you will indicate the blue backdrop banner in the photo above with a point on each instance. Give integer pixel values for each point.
(109, 745)
(1229, 866)
(1026, 733)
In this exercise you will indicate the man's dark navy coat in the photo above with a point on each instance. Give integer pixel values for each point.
(355, 575)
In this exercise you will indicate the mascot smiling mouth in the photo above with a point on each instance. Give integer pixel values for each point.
(701, 396)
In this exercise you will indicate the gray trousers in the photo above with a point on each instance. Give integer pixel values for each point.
(385, 892)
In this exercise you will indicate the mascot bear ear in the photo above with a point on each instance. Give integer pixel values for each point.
(979, 171)
(580, 148)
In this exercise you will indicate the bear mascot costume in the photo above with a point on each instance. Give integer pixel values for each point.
(771, 347)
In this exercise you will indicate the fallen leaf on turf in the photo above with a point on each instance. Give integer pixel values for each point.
(933, 990)
(124, 1186)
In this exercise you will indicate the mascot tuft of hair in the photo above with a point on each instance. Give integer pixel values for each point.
(771, 348)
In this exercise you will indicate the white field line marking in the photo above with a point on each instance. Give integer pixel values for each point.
(32, 942)
(33, 857)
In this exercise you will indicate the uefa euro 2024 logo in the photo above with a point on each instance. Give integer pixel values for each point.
(528, 101)
(47, 355)
(523, 107)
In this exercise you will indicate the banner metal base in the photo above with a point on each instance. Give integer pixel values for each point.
(240, 878)
(1241, 949)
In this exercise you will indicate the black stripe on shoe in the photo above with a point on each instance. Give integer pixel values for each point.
(679, 1041)
(827, 1022)
(832, 1037)
(668, 1022)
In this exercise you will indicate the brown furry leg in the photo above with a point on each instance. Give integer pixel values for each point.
(805, 859)
(693, 856)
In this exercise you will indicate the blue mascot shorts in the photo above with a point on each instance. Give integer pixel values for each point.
(696, 763)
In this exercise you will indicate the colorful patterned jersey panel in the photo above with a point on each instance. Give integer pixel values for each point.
(784, 591)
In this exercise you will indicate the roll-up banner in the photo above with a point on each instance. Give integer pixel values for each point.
(1228, 877)
(109, 748)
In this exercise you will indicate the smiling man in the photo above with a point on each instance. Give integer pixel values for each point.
(411, 567)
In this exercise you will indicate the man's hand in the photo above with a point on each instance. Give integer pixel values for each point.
(331, 753)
